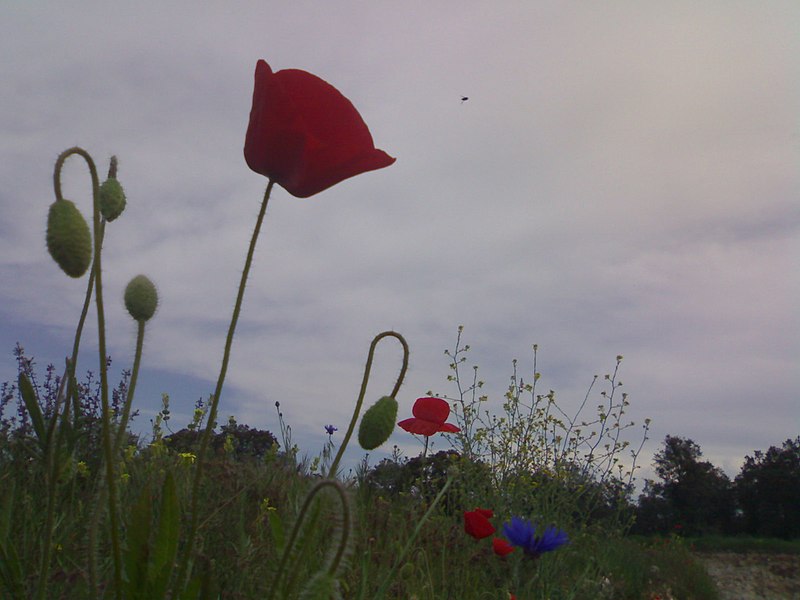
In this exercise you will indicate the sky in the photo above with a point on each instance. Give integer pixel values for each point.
(623, 179)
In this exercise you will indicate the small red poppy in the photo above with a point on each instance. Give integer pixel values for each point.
(304, 134)
(429, 417)
(501, 547)
(476, 523)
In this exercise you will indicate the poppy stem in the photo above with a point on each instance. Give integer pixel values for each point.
(212, 410)
(333, 567)
(72, 388)
(97, 230)
(364, 381)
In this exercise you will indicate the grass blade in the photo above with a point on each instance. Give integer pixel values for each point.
(32, 406)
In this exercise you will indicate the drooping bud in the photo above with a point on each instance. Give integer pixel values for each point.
(112, 199)
(377, 423)
(68, 238)
(141, 298)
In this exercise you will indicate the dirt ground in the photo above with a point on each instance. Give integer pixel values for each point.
(754, 576)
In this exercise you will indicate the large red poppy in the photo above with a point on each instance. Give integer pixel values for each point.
(429, 417)
(476, 523)
(305, 135)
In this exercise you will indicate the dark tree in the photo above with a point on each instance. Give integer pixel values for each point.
(693, 496)
(768, 491)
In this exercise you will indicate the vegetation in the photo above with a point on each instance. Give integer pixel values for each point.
(695, 498)
(531, 502)
(255, 491)
(767, 490)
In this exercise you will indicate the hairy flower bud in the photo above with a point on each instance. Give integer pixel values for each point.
(112, 199)
(141, 298)
(68, 238)
(377, 423)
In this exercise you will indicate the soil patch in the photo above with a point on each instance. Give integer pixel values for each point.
(753, 576)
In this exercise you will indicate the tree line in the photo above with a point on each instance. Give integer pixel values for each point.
(694, 497)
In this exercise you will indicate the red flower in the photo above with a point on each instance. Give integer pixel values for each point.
(429, 417)
(305, 135)
(501, 547)
(476, 523)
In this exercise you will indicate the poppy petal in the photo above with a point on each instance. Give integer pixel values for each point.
(419, 426)
(477, 525)
(304, 134)
(431, 409)
(276, 136)
(501, 547)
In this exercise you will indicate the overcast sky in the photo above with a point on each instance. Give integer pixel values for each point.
(623, 179)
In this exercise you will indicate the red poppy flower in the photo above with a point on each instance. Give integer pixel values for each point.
(429, 417)
(501, 547)
(305, 135)
(476, 523)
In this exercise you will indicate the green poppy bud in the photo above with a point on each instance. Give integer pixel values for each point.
(377, 423)
(141, 298)
(112, 199)
(68, 238)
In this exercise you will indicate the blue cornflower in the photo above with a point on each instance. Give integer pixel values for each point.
(522, 533)
(330, 429)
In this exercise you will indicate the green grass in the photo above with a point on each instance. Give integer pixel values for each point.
(248, 508)
(399, 525)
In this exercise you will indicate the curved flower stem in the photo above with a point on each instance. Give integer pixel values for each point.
(333, 567)
(212, 411)
(399, 561)
(364, 381)
(101, 342)
(97, 273)
(72, 390)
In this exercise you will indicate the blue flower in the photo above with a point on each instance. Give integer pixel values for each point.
(522, 533)
(330, 429)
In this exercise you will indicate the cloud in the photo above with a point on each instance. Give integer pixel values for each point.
(621, 181)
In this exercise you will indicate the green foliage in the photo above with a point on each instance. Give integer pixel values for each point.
(238, 441)
(651, 568)
(693, 495)
(696, 498)
(32, 406)
(559, 465)
(250, 501)
(152, 543)
(25, 433)
(767, 490)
